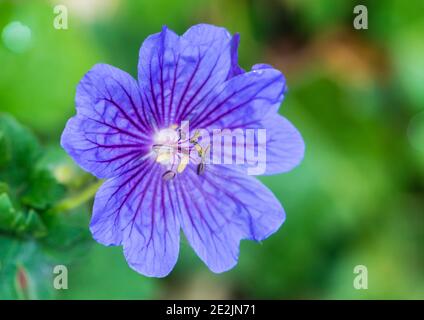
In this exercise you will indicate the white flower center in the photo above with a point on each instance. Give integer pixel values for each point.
(174, 149)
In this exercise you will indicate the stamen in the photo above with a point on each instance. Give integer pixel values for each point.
(174, 151)
(183, 163)
(198, 148)
(168, 175)
(201, 168)
(195, 136)
(205, 152)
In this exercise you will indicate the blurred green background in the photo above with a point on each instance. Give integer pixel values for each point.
(357, 97)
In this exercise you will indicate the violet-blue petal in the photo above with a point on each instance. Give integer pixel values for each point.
(109, 132)
(235, 68)
(176, 74)
(223, 207)
(138, 211)
(285, 147)
(268, 146)
(245, 98)
(260, 66)
(112, 207)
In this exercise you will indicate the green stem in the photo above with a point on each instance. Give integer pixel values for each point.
(78, 199)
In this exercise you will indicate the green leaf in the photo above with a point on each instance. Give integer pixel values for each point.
(43, 190)
(69, 237)
(20, 146)
(34, 225)
(19, 151)
(11, 220)
(7, 212)
(14, 221)
(4, 187)
(25, 273)
(4, 150)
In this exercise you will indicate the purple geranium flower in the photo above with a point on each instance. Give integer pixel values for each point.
(158, 177)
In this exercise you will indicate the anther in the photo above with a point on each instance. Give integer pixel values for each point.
(168, 175)
(201, 168)
(195, 137)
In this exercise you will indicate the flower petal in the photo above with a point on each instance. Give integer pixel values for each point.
(285, 147)
(220, 208)
(235, 68)
(137, 210)
(177, 73)
(109, 132)
(243, 99)
(268, 146)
